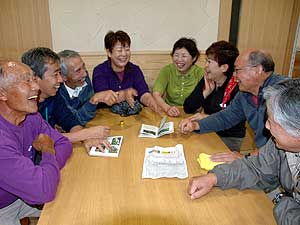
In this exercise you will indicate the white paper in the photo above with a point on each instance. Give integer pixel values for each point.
(113, 151)
(165, 162)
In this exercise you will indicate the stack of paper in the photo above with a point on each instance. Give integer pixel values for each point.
(165, 162)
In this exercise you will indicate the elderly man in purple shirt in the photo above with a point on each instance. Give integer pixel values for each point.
(23, 132)
(117, 79)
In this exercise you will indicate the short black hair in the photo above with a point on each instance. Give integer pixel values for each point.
(111, 38)
(189, 44)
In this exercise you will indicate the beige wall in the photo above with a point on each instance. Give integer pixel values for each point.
(266, 24)
(23, 25)
(152, 25)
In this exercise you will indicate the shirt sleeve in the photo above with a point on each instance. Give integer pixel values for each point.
(35, 184)
(257, 172)
(62, 145)
(161, 82)
(139, 82)
(100, 79)
(63, 116)
(224, 119)
(195, 100)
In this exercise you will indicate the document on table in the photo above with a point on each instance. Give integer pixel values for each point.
(165, 162)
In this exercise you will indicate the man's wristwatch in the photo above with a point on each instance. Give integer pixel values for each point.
(247, 155)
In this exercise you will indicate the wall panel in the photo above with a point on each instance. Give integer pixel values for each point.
(23, 25)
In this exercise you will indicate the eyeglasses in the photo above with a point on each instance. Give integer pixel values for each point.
(237, 70)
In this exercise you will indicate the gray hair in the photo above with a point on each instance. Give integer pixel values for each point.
(64, 56)
(6, 78)
(38, 59)
(283, 100)
(259, 57)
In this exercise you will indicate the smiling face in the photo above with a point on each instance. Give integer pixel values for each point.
(246, 75)
(120, 56)
(77, 72)
(213, 70)
(22, 92)
(182, 60)
(51, 80)
(282, 138)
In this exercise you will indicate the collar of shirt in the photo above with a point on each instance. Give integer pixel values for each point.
(74, 93)
(189, 73)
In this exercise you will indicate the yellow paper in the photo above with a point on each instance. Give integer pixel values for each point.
(205, 162)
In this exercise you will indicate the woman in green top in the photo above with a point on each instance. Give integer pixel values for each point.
(176, 81)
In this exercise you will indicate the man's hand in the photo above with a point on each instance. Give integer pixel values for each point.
(99, 132)
(43, 143)
(199, 186)
(186, 126)
(95, 142)
(173, 111)
(227, 157)
(198, 116)
(209, 86)
(130, 93)
(109, 97)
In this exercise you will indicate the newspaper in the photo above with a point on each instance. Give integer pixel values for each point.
(155, 132)
(165, 162)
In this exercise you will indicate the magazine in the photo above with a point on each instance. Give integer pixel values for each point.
(155, 132)
(109, 151)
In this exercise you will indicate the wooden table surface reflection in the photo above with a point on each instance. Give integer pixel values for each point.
(102, 190)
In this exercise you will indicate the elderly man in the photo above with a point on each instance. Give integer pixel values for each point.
(254, 70)
(77, 91)
(23, 132)
(45, 64)
(279, 159)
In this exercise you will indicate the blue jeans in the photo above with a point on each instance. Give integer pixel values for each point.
(11, 215)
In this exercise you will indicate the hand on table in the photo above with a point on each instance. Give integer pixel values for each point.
(199, 186)
(109, 97)
(130, 93)
(186, 126)
(43, 143)
(227, 157)
(173, 111)
(95, 142)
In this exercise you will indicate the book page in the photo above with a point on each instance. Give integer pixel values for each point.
(109, 151)
(148, 131)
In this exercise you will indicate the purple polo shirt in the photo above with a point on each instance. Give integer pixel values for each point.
(19, 177)
(104, 78)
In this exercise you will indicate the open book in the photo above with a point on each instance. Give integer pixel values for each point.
(155, 132)
(109, 151)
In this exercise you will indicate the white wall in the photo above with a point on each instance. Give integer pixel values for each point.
(152, 25)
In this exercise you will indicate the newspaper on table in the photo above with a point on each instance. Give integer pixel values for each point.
(165, 162)
(155, 132)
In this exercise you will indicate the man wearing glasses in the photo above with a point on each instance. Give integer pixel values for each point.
(254, 70)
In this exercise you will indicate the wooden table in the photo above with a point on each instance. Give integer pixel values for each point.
(102, 190)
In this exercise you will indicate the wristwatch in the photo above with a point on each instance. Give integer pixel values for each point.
(247, 155)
